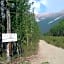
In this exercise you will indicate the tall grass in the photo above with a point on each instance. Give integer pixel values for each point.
(55, 40)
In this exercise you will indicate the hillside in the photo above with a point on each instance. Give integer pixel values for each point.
(46, 22)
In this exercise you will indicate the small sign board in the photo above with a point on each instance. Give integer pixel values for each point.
(9, 37)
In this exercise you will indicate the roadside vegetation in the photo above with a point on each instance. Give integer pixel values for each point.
(23, 23)
(30, 63)
(56, 35)
(57, 30)
(54, 40)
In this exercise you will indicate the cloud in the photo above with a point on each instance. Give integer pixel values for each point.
(30, 1)
(37, 5)
(44, 2)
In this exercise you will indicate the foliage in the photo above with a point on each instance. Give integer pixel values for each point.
(25, 25)
(58, 29)
(54, 40)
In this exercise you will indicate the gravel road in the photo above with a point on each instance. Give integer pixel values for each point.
(48, 53)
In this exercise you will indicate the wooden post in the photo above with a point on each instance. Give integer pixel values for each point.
(9, 45)
(8, 21)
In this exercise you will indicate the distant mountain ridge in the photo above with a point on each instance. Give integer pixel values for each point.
(47, 15)
(47, 21)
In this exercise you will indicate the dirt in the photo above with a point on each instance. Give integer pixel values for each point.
(48, 53)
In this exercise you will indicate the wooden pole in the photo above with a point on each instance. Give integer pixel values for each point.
(8, 22)
(9, 45)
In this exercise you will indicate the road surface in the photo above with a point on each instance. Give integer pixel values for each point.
(48, 53)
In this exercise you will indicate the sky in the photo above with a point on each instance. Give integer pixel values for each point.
(47, 6)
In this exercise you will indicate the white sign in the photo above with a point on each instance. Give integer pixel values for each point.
(9, 37)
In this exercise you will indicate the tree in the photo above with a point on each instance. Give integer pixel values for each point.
(25, 25)
(58, 30)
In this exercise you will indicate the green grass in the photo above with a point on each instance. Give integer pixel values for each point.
(45, 63)
(30, 49)
(55, 40)
(25, 62)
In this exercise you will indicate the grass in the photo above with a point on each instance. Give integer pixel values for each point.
(25, 62)
(29, 50)
(55, 40)
(45, 63)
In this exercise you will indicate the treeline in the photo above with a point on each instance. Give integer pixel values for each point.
(58, 29)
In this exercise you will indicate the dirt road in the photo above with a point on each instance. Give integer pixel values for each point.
(48, 53)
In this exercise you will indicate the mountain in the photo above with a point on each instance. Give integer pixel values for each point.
(47, 21)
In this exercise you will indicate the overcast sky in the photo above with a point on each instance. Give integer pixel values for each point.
(47, 6)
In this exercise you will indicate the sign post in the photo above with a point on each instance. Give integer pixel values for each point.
(8, 31)
(7, 37)
(11, 37)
